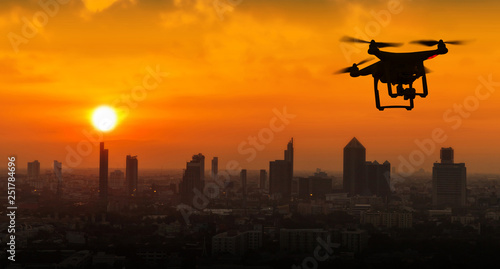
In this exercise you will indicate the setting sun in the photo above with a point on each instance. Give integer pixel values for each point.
(104, 118)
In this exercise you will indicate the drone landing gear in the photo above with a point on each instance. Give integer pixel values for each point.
(408, 94)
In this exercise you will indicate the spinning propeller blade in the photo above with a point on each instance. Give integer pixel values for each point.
(365, 61)
(430, 43)
(378, 44)
(353, 40)
(344, 70)
(348, 69)
(457, 42)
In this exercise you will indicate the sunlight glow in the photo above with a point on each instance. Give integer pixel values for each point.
(104, 118)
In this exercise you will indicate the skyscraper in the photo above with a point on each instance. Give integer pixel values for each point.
(377, 177)
(215, 168)
(58, 174)
(193, 179)
(33, 169)
(354, 161)
(316, 186)
(289, 153)
(449, 181)
(131, 175)
(263, 178)
(103, 172)
(243, 178)
(281, 175)
(447, 155)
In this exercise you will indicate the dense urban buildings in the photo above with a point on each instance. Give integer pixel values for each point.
(355, 240)
(116, 179)
(236, 243)
(388, 219)
(241, 224)
(131, 175)
(301, 240)
(449, 181)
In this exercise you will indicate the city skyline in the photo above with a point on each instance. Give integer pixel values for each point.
(208, 77)
(215, 160)
(399, 161)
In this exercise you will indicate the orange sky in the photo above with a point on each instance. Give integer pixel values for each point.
(228, 68)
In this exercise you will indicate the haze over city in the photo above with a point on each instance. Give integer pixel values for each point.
(222, 72)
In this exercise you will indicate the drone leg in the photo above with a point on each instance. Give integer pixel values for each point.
(377, 96)
(389, 89)
(424, 85)
(411, 105)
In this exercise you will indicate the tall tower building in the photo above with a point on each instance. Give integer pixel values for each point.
(33, 169)
(263, 179)
(58, 174)
(131, 175)
(447, 155)
(215, 168)
(193, 179)
(378, 178)
(289, 153)
(449, 181)
(281, 175)
(243, 178)
(354, 161)
(103, 172)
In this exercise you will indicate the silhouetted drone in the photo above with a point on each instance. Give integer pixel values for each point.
(397, 68)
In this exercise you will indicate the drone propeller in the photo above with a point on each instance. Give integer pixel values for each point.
(348, 69)
(378, 44)
(430, 43)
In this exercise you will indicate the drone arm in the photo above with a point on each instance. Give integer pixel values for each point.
(427, 55)
(365, 72)
(369, 70)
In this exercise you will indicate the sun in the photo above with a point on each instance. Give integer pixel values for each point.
(104, 118)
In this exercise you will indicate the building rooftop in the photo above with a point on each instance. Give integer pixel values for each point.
(354, 143)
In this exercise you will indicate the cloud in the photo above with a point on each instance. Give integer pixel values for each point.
(11, 71)
(100, 5)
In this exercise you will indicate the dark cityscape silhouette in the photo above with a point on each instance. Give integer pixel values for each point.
(143, 219)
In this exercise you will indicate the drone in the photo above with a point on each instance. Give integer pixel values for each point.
(398, 69)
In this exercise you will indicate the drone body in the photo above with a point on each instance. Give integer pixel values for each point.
(400, 69)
